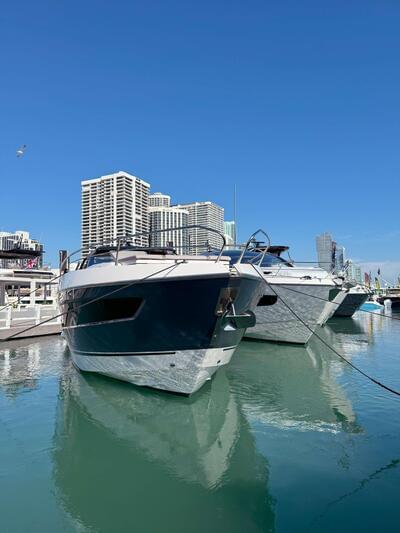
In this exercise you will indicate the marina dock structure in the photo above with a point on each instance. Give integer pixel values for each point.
(389, 293)
(28, 299)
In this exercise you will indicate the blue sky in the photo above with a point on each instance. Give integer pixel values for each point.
(297, 102)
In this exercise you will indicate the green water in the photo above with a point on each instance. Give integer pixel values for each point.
(284, 439)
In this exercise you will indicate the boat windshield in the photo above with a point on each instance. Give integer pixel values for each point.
(253, 257)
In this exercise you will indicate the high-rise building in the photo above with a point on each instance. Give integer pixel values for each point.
(112, 206)
(19, 239)
(158, 199)
(340, 258)
(230, 231)
(205, 214)
(167, 218)
(353, 272)
(325, 251)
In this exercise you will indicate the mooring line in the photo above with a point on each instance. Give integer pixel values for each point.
(338, 304)
(377, 382)
(126, 286)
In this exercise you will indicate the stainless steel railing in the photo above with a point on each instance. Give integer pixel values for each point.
(118, 241)
(251, 240)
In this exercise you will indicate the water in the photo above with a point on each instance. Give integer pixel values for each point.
(284, 439)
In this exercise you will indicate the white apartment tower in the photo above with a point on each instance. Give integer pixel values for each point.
(205, 214)
(112, 206)
(167, 218)
(159, 200)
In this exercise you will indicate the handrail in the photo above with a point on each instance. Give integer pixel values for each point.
(125, 238)
(178, 228)
(250, 239)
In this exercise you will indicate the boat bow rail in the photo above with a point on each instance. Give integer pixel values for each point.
(116, 245)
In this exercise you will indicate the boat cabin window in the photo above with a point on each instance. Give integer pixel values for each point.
(98, 259)
(254, 257)
(100, 311)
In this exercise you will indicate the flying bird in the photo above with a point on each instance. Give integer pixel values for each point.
(21, 150)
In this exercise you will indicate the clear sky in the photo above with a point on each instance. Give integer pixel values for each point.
(297, 102)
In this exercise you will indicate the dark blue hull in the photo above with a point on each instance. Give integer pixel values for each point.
(157, 316)
(167, 334)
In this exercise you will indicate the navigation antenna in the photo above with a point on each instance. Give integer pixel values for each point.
(234, 214)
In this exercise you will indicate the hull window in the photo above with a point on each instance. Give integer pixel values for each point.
(105, 310)
(267, 299)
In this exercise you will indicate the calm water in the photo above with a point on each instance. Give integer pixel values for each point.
(285, 439)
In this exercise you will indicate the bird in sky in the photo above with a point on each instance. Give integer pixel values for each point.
(21, 150)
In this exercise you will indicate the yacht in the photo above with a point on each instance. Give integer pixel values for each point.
(156, 318)
(356, 296)
(296, 300)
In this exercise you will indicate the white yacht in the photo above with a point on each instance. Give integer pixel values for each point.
(296, 299)
(356, 296)
(155, 318)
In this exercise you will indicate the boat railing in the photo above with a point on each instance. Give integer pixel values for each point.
(251, 241)
(150, 233)
(65, 258)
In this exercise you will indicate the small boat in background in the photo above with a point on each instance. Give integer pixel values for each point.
(372, 305)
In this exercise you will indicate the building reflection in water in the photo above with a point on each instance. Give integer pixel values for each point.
(22, 363)
(130, 459)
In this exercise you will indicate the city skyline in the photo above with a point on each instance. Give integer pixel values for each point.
(269, 99)
(121, 204)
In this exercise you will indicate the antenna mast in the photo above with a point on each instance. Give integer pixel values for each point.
(234, 213)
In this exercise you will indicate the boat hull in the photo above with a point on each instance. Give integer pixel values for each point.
(395, 301)
(351, 304)
(298, 311)
(183, 371)
(175, 340)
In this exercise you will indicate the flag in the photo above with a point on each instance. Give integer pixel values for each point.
(31, 263)
(379, 271)
(366, 279)
(377, 284)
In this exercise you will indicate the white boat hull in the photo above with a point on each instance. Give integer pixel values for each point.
(299, 310)
(183, 371)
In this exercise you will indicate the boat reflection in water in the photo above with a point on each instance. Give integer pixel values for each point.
(175, 463)
(292, 387)
(347, 335)
(126, 458)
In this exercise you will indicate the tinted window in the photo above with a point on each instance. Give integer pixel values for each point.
(103, 310)
(254, 257)
(97, 259)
